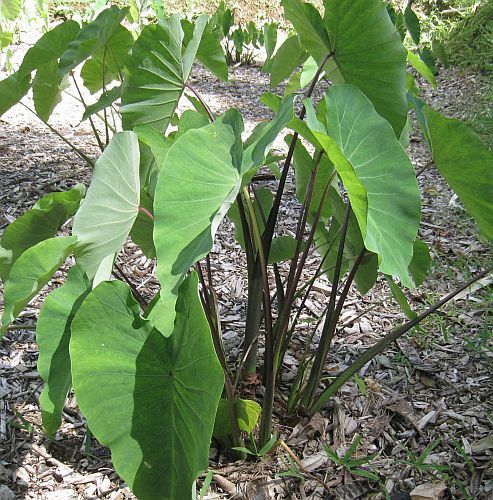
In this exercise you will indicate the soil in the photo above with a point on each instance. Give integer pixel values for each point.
(432, 388)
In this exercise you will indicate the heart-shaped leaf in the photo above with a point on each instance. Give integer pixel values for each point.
(368, 53)
(197, 185)
(377, 174)
(157, 71)
(151, 399)
(110, 207)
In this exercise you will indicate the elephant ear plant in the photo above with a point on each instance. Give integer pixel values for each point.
(151, 377)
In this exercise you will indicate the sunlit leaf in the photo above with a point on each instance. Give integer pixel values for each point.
(188, 206)
(369, 159)
(110, 207)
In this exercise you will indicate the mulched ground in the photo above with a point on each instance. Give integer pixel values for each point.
(434, 386)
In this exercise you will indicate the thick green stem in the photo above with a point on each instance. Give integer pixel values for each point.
(381, 345)
(269, 365)
(254, 301)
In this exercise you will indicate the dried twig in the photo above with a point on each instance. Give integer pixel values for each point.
(302, 468)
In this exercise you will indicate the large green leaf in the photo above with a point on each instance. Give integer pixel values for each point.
(10, 9)
(376, 173)
(41, 222)
(110, 208)
(12, 90)
(197, 185)
(157, 71)
(286, 59)
(465, 163)
(210, 52)
(49, 47)
(106, 65)
(368, 53)
(92, 38)
(53, 337)
(47, 89)
(30, 272)
(309, 27)
(151, 399)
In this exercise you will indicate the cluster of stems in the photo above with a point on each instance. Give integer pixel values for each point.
(289, 295)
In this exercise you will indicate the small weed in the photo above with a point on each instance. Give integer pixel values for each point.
(254, 451)
(353, 465)
(418, 462)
